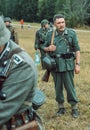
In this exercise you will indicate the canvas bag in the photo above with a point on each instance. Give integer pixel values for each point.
(37, 58)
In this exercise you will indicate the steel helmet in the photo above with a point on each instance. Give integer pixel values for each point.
(44, 22)
(7, 19)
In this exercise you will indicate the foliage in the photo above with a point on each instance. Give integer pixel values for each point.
(76, 12)
(47, 9)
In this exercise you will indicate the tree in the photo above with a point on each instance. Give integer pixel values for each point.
(59, 6)
(76, 12)
(46, 9)
(24, 9)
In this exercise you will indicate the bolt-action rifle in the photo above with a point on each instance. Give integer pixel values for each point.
(46, 76)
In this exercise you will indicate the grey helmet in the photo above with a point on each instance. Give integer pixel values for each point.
(7, 19)
(44, 22)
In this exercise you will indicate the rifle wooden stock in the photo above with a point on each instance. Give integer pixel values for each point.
(47, 73)
(28, 126)
(46, 76)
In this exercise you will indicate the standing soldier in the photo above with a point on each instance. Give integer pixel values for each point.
(14, 36)
(66, 52)
(41, 35)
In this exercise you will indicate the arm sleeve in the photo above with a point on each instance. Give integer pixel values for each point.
(75, 42)
(47, 41)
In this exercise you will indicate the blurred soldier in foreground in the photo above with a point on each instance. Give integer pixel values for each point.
(18, 93)
(40, 37)
(66, 52)
(14, 35)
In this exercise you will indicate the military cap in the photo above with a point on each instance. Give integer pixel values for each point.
(44, 22)
(7, 19)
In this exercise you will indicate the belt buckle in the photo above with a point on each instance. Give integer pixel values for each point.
(58, 55)
(63, 56)
(67, 56)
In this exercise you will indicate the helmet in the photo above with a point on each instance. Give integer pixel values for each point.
(44, 22)
(7, 19)
(49, 63)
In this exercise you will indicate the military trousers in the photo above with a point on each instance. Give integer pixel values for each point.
(61, 80)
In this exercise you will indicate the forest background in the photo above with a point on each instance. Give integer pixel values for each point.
(77, 12)
(77, 15)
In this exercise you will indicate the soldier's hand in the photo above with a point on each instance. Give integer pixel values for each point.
(50, 48)
(77, 69)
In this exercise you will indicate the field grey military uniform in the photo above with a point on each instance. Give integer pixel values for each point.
(18, 79)
(14, 35)
(40, 37)
(66, 46)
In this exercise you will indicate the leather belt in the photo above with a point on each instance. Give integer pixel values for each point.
(64, 56)
(20, 119)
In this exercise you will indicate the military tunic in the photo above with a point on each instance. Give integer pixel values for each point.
(66, 43)
(20, 84)
(40, 37)
(14, 35)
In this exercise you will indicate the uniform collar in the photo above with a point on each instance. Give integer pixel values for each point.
(65, 32)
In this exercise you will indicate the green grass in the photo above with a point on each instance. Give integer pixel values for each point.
(82, 82)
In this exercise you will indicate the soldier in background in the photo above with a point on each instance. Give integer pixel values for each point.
(14, 36)
(40, 37)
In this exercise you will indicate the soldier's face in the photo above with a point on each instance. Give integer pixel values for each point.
(7, 23)
(46, 25)
(60, 24)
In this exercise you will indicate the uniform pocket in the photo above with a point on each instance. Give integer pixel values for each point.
(61, 65)
(70, 64)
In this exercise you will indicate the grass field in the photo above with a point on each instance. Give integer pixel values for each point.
(82, 82)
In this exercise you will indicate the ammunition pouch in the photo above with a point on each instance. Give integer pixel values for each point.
(65, 56)
(49, 63)
(68, 55)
